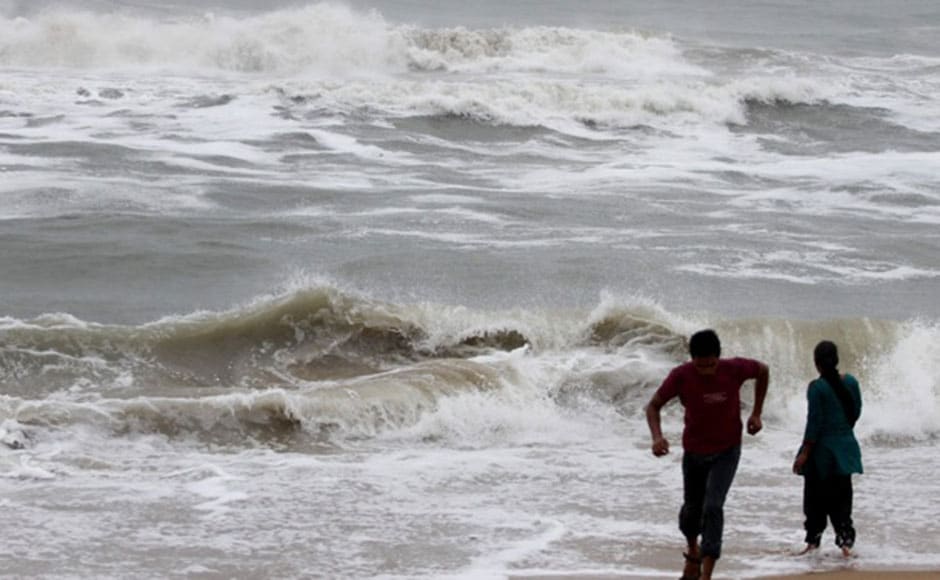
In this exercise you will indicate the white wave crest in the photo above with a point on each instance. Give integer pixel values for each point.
(564, 105)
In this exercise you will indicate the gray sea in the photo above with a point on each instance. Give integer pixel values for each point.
(379, 289)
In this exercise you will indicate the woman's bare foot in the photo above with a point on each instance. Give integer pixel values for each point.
(708, 566)
(809, 548)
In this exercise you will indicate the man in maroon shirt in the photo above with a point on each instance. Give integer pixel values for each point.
(709, 388)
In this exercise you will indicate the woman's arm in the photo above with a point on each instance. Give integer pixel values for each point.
(813, 428)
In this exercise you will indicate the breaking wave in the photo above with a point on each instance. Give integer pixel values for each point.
(320, 363)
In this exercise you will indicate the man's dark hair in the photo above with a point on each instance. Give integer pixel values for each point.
(704, 343)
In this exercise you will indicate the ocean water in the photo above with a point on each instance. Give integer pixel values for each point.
(379, 289)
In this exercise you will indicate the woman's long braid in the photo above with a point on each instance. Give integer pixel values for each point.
(826, 356)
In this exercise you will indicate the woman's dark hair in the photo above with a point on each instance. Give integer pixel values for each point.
(704, 343)
(826, 356)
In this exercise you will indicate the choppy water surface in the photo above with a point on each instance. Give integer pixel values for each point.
(380, 290)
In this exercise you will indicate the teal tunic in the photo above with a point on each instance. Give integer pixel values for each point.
(836, 449)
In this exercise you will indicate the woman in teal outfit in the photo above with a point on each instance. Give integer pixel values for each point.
(830, 453)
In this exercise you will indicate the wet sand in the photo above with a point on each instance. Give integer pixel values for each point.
(822, 575)
(860, 575)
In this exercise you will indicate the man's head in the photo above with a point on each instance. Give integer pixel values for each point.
(705, 348)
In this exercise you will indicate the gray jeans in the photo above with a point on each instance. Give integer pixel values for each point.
(706, 480)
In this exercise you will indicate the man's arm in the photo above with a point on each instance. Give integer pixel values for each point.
(754, 424)
(660, 444)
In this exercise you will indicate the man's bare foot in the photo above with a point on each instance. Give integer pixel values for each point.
(846, 552)
(693, 566)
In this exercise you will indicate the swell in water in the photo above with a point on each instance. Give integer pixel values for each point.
(323, 364)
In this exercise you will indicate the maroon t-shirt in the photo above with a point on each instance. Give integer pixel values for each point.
(712, 403)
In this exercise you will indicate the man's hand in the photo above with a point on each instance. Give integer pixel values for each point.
(754, 425)
(660, 446)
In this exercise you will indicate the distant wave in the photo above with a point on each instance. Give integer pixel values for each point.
(337, 60)
(340, 60)
(321, 38)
